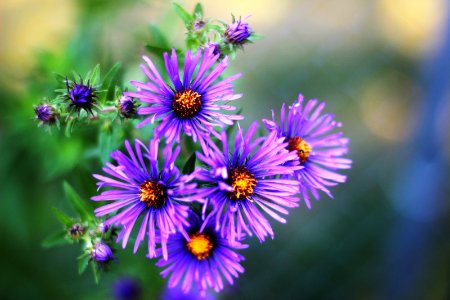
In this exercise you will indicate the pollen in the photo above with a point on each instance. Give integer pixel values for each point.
(242, 182)
(301, 146)
(200, 245)
(152, 193)
(186, 104)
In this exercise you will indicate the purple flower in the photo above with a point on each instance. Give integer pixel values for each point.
(127, 289)
(237, 33)
(140, 188)
(101, 253)
(177, 293)
(310, 133)
(202, 258)
(81, 96)
(243, 182)
(189, 104)
(45, 113)
(127, 107)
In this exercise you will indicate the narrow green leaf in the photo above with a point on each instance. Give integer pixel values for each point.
(94, 76)
(56, 239)
(158, 36)
(78, 204)
(59, 78)
(96, 272)
(83, 262)
(157, 51)
(62, 217)
(184, 15)
(110, 81)
(189, 167)
(198, 10)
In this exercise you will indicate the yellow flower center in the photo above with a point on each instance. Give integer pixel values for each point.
(301, 146)
(152, 193)
(186, 104)
(200, 245)
(242, 182)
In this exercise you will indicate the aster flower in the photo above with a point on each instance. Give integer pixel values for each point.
(201, 258)
(190, 104)
(319, 149)
(238, 32)
(137, 190)
(81, 96)
(46, 114)
(243, 182)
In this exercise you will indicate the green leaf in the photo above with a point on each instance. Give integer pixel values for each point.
(59, 78)
(56, 239)
(94, 76)
(184, 15)
(96, 273)
(157, 51)
(158, 36)
(83, 262)
(62, 217)
(69, 125)
(198, 10)
(189, 167)
(78, 204)
(110, 81)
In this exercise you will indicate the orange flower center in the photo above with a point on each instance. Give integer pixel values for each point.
(301, 146)
(200, 245)
(152, 193)
(242, 182)
(186, 104)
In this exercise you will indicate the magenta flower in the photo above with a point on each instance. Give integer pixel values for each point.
(319, 148)
(201, 259)
(138, 187)
(192, 103)
(242, 182)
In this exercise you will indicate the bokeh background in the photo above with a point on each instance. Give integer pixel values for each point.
(383, 67)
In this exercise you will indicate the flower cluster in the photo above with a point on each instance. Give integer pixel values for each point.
(196, 200)
(241, 183)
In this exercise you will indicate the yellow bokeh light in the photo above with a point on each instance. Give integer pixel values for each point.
(28, 26)
(387, 105)
(411, 25)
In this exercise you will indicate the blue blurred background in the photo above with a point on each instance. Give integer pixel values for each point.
(382, 66)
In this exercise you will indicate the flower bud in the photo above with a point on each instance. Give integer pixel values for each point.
(127, 107)
(76, 231)
(101, 253)
(238, 33)
(45, 113)
(102, 227)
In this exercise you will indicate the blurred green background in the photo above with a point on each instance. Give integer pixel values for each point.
(383, 68)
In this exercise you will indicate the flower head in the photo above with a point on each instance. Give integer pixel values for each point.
(238, 33)
(189, 104)
(201, 258)
(81, 96)
(101, 253)
(243, 182)
(319, 149)
(140, 188)
(127, 107)
(45, 113)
